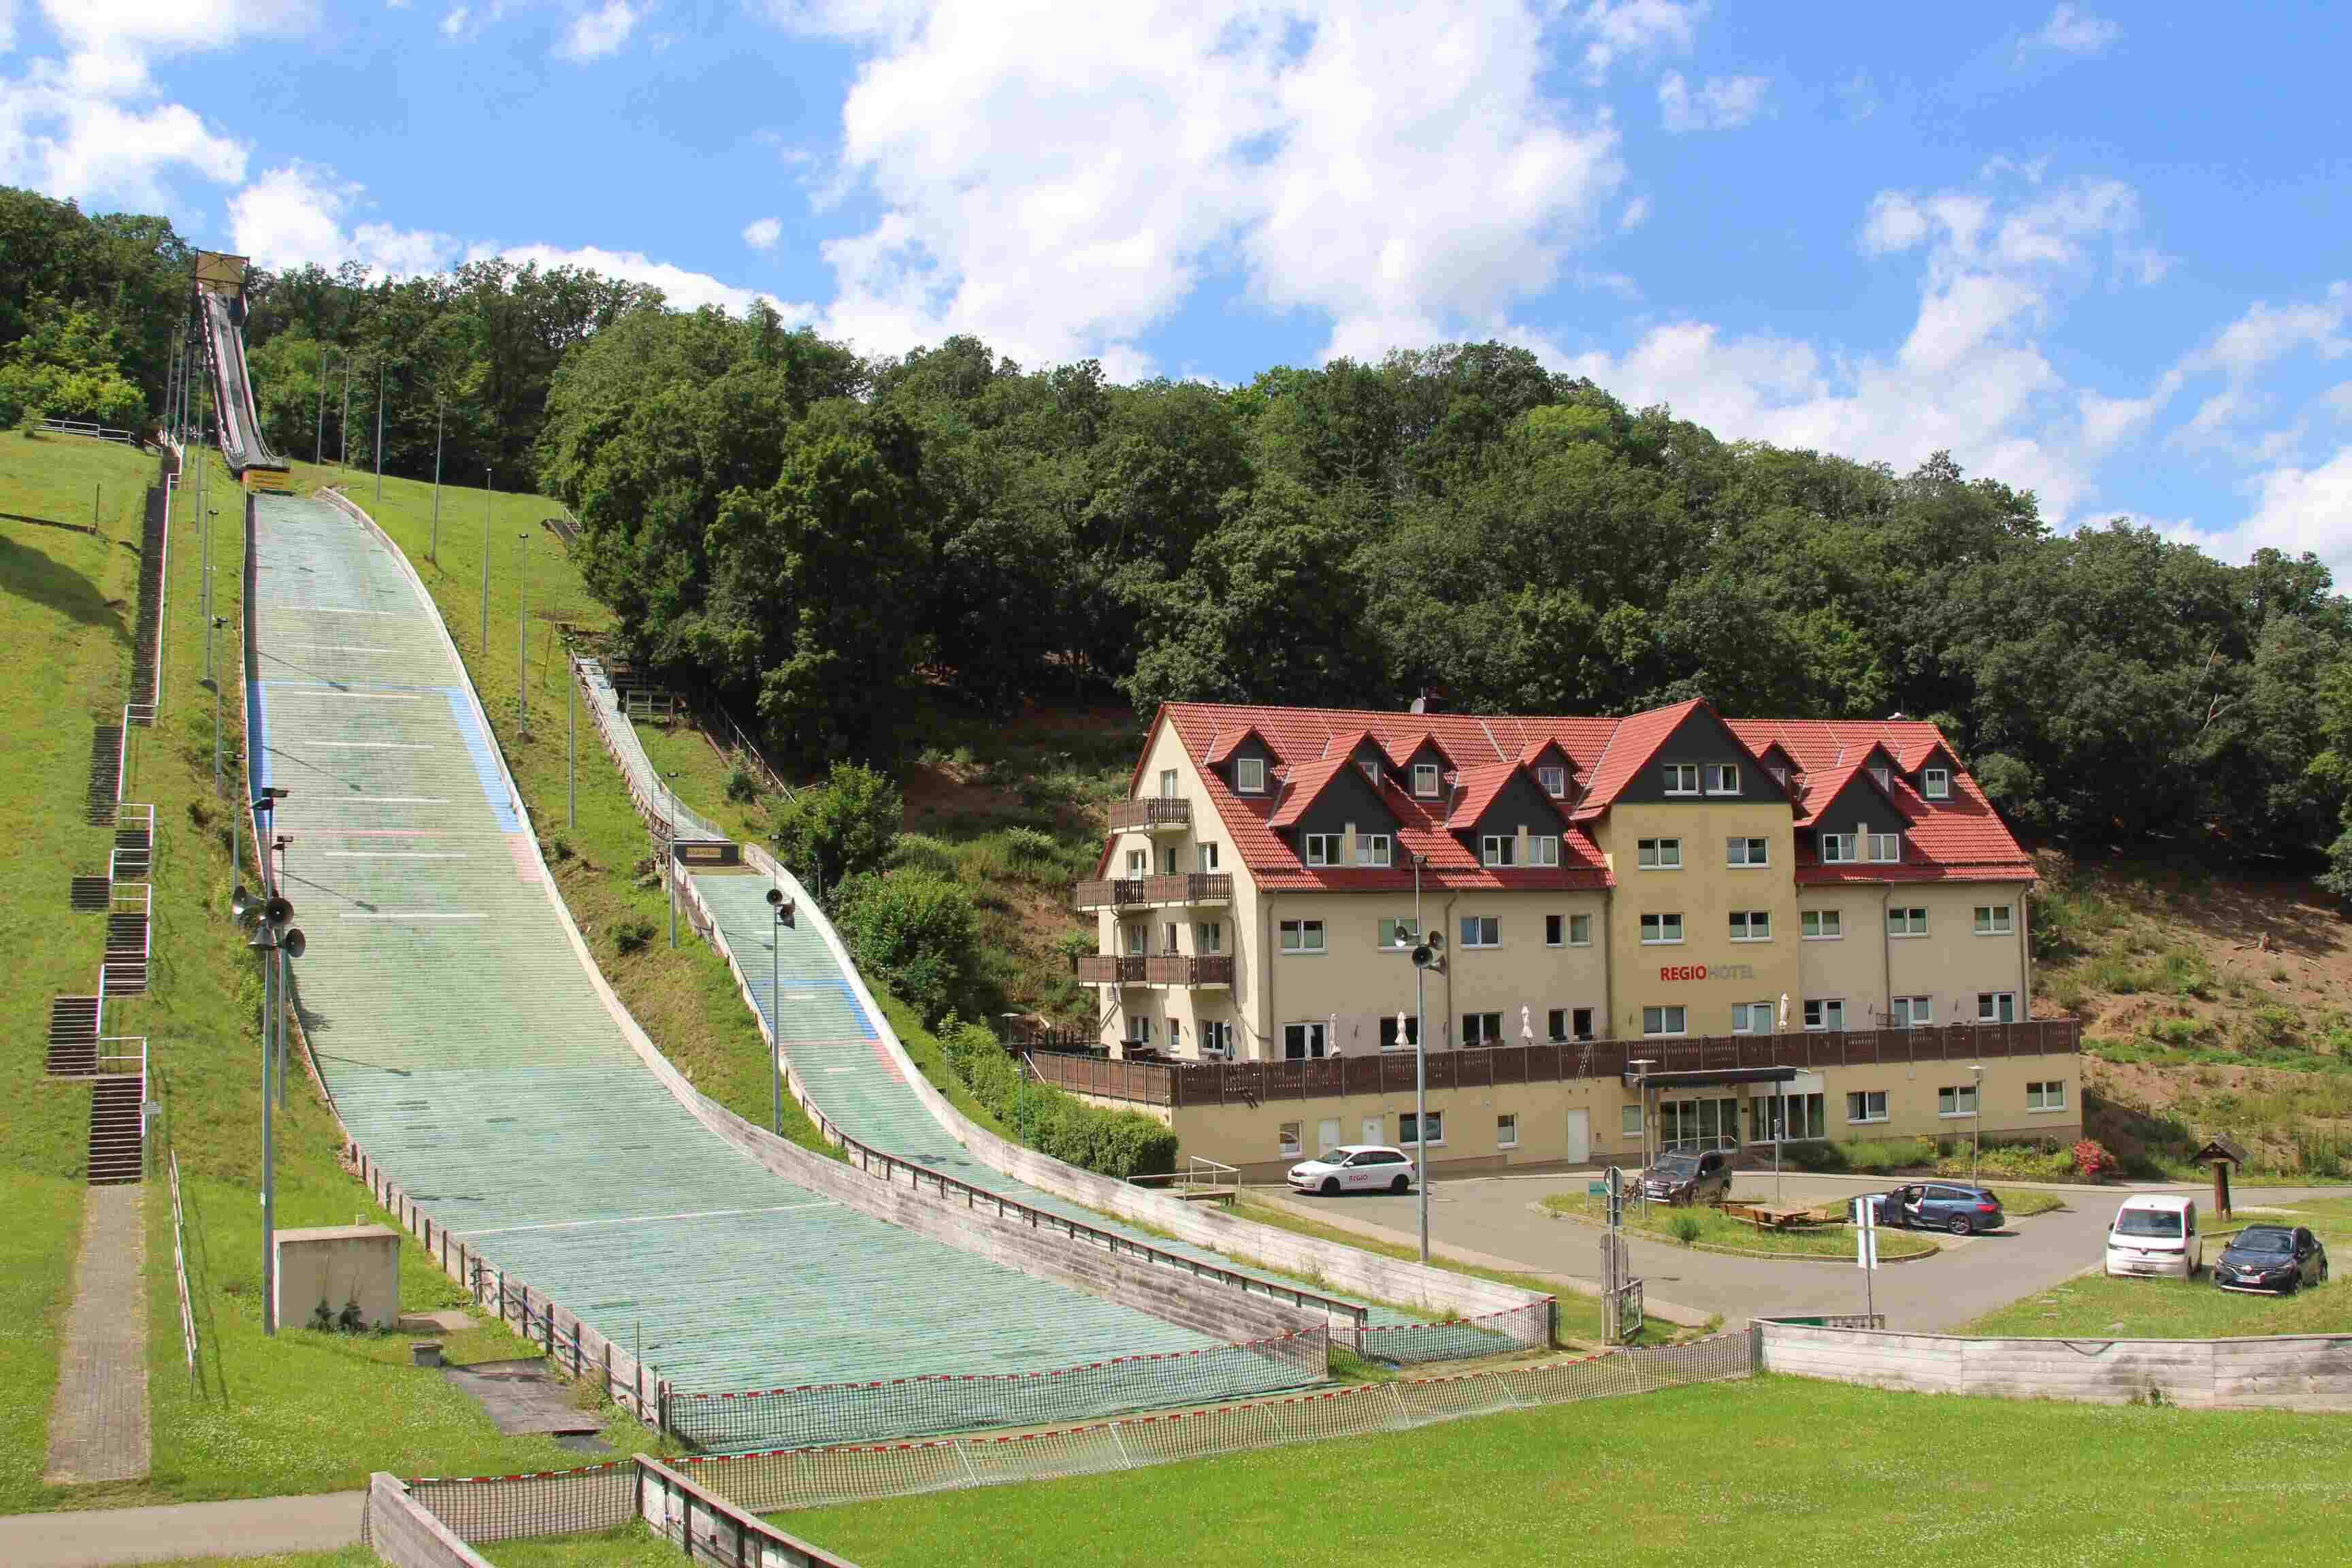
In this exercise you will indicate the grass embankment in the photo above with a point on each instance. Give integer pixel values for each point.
(600, 856)
(309, 1411)
(1709, 1229)
(2209, 1005)
(1816, 1473)
(2093, 1304)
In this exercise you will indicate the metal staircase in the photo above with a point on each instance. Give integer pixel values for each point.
(73, 1036)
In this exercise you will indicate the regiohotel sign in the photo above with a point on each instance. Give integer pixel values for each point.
(1705, 971)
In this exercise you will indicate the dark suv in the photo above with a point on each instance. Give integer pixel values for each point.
(1688, 1178)
(1955, 1206)
(2274, 1259)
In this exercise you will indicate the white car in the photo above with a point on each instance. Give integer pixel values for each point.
(1355, 1168)
(2155, 1234)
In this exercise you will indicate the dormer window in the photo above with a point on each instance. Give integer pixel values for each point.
(1880, 774)
(1779, 776)
(1723, 778)
(1496, 849)
(1249, 775)
(1543, 850)
(1321, 848)
(1424, 780)
(1886, 847)
(1682, 778)
(1554, 780)
(1371, 849)
(1371, 770)
(1836, 849)
(1936, 784)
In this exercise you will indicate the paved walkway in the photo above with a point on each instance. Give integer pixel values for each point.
(248, 1527)
(97, 1427)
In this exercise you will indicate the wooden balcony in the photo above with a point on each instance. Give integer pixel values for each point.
(1192, 887)
(1116, 893)
(1154, 813)
(1111, 969)
(1184, 969)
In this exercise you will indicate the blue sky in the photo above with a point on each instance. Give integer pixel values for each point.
(2096, 251)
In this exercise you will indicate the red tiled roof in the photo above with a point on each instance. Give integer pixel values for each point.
(1479, 788)
(1962, 838)
(1222, 746)
(1305, 783)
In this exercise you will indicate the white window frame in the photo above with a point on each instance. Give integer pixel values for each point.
(1743, 1017)
(1507, 1129)
(1543, 850)
(1995, 999)
(1658, 922)
(1436, 1121)
(1497, 849)
(1866, 1096)
(1217, 1038)
(1936, 784)
(1249, 775)
(1675, 1013)
(1721, 778)
(1580, 923)
(1629, 1120)
(2045, 1095)
(1476, 927)
(1208, 936)
(1204, 856)
(1836, 849)
(1372, 849)
(1747, 854)
(1886, 848)
(1304, 931)
(1397, 925)
(1905, 921)
(1682, 778)
(1311, 1030)
(1287, 1138)
(1138, 1029)
(1168, 784)
(1751, 925)
(1552, 779)
(1321, 848)
(1829, 925)
(1915, 1012)
(1425, 780)
(1995, 920)
(1663, 853)
(1555, 931)
(1885, 781)
(1963, 1097)
(1371, 767)
(1817, 1014)
(1138, 864)
(1474, 1030)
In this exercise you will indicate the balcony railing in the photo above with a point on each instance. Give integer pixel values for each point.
(1111, 969)
(1391, 1072)
(1153, 811)
(1192, 887)
(1113, 894)
(1188, 969)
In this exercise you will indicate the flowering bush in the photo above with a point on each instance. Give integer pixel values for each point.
(2092, 1162)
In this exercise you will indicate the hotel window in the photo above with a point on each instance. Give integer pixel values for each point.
(1306, 1041)
(1956, 1099)
(1302, 936)
(1580, 931)
(1554, 781)
(1482, 1029)
(1658, 854)
(1249, 775)
(1836, 849)
(1392, 1041)
(1168, 784)
(1629, 1121)
(1886, 848)
(1556, 1025)
(1996, 1007)
(1751, 925)
(1409, 1129)
(1866, 1105)
(1371, 849)
(1936, 784)
(1682, 778)
(1993, 919)
(1138, 864)
(1751, 1017)
(1168, 937)
(1555, 928)
(1506, 1131)
(1824, 1012)
(1723, 778)
(1666, 1021)
(1748, 852)
(1425, 779)
(1371, 767)
(1209, 936)
(1481, 930)
(1780, 775)
(1399, 933)
(1907, 922)
(1286, 1140)
(1580, 1023)
(1217, 1038)
(1543, 850)
(1661, 928)
(1495, 848)
(1138, 1031)
(1820, 925)
(1914, 1012)
(2050, 1095)
(1880, 774)
(1322, 848)
(1175, 1036)
(1204, 856)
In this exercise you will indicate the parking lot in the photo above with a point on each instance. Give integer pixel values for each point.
(1497, 1215)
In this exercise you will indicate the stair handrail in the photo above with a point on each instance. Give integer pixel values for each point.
(180, 1275)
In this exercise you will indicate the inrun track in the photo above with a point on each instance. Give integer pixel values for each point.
(471, 1051)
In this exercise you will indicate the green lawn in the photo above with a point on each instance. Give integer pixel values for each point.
(2194, 1309)
(1774, 1471)
(1710, 1227)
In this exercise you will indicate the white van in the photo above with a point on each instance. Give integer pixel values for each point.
(2155, 1234)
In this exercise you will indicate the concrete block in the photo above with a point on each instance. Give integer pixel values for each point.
(339, 1265)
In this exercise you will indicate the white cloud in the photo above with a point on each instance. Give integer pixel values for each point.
(761, 233)
(8, 25)
(1722, 103)
(1060, 180)
(1623, 29)
(2295, 509)
(2267, 332)
(595, 34)
(453, 23)
(2071, 31)
(294, 217)
(684, 289)
(1636, 213)
(2338, 399)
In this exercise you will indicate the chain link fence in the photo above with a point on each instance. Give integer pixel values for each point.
(545, 1503)
(1514, 1328)
(898, 1407)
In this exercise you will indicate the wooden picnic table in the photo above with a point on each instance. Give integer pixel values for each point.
(1773, 1217)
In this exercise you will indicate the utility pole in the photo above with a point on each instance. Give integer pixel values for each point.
(319, 435)
(379, 432)
(433, 553)
(490, 475)
(345, 461)
(571, 741)
(522, 633)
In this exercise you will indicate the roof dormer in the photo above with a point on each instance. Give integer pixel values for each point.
(1552, 769)
(1422, 766)
(1245, 762)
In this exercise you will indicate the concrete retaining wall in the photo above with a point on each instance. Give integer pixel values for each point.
(405, 1536)
(2289, 1371)
(711, 1530)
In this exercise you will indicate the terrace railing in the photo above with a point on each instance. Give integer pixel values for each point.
(1154, 811)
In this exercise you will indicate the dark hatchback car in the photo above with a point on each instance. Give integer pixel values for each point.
(1954, 1206)
(2276, 1259)
(1681, 1179)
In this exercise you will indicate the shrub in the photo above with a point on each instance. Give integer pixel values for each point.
(843, 827)
(914, 929)
(1687, 1226)
(633, 936)
(2092, 1162)
(920, 849)
(1117, 1143)
(742, 787)
(1033, 852)
(1817, 1154)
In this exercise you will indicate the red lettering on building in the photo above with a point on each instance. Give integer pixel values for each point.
(1682, 971)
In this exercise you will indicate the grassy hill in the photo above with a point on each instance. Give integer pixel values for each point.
(2209, 1005)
